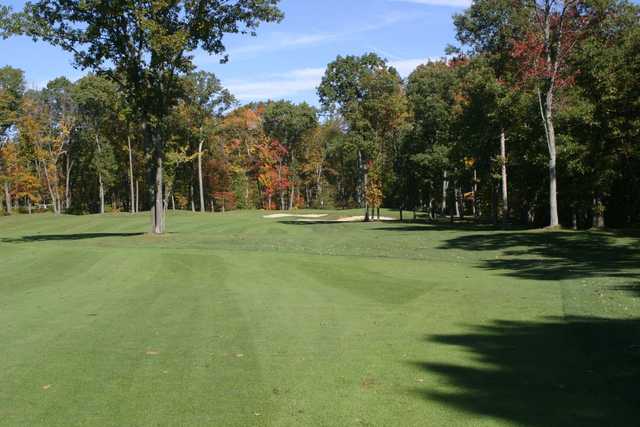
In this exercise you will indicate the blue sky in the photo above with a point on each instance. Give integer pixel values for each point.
(287, 60)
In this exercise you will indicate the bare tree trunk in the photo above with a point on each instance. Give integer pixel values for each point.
(54, 200)
(131, 189)
(292, 196)
(67, 189)
(157, 212)
(7, 197)
(475, 193)
(366, 201)
(503, 161)
(193, 202)
(101, 191)
(598, 213)
(29, 205)
(200, 185)
(445, 187)
(100, 183)
(553, 184)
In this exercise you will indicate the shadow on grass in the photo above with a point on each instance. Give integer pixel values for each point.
(631, 288)
(62, 237)
(553, 255)
(578, 371)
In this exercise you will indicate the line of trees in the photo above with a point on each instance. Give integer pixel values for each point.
(532, 118)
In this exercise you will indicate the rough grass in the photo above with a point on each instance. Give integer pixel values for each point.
(238, 320)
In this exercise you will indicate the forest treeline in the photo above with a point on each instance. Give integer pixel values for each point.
(533, 117)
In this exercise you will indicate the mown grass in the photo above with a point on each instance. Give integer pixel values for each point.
(239, 320)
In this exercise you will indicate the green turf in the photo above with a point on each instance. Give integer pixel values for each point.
(238, 320)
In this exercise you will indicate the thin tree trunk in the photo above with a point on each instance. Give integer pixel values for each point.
(475, 193)
(67, 189)
(445, 187)
(193, 202)
(503, 161)
(29, 204)
(553, 184)
(137, 196)
(100, 183)
(101, 191)
(131, 189)
(366, 201)
(157, 212)
(598, 213)
(7, 197)
(200, 185)
(54, 200)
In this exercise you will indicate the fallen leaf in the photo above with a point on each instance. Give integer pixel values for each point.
(152, 353)
(46, 386)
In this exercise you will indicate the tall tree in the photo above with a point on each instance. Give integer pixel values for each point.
(288, 123)
(11, 92)
(146, 48)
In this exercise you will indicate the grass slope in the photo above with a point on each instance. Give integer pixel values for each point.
(238, 320)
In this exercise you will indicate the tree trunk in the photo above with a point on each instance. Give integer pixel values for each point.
(7, 197)
(137, 196)
(193, 202)
(54, 200)
(157, 212)
(366, 201)
(67, 189)
(292, 196)
(131, 189)
(547, 114)
(200, 185)
(101, 191)
(503, 161)
(29, 205)
(475, 193)
(100, 183)
(553, 185)
(445, 186)
(598, 213)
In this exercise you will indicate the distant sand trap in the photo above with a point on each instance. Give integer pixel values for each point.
(282, 215)
(361, 218)
(350, 219)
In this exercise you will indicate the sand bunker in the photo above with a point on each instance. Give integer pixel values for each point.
(349, 219)
(361, 218)
(283, 215)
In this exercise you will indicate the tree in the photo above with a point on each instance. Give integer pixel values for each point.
(202, 109)
(11, 92)
(368, 95)
(96, 101)
(288, 123)
(145, 48)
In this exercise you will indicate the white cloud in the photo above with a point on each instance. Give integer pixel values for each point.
(297, 81)
(278, 41)
(449, 3)
(280, 85)
(406, 66)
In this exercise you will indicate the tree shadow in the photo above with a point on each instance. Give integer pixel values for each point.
(62, 237)
(559, 372)
(553, 255)
(630, 288)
